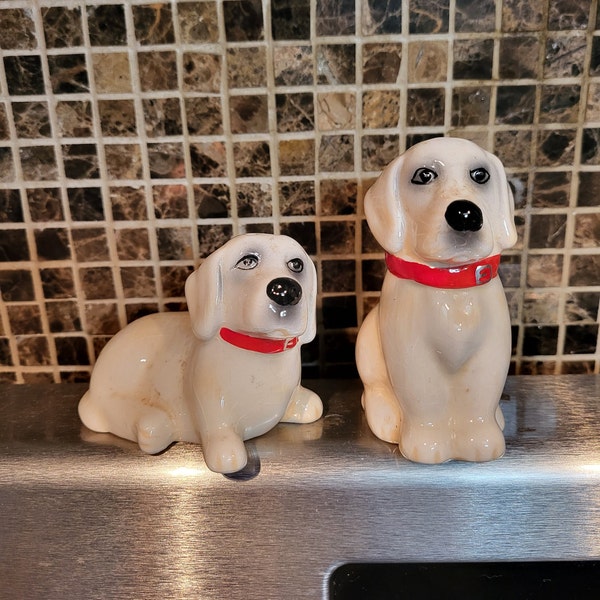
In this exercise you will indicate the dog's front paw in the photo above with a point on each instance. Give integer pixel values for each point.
(480, 443)
(304, 407)
(154, 431)
(426, 444)
(224, 452)
(383, 414)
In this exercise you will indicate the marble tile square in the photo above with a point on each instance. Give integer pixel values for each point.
(381, 18)
(339, 312)
(71, 350)
(243, 20)
(212, 201)
(7, 168)
(174, 243)
(62, 26)
(560, 104)
(336, 64)
(101, 318)
(90, 244)
(33, 351)
(473, 59)
(31, 119)
(11, 209)
(63, 316)
(582, 307)
(249, 114)
(57, 283)
(378, 151)
(523, 16)
(427, 61)
(18, 29)
(509, 271)
(556, 148)
(38, 163)
(123, 161)
(158, 70)
(586, 232)
(568, 14)
(24, 319)
(290, 19)
(584, 270)
(297, 157)
(427, 16)
(551, 190)
(247, 67)
(338, 276)
(172, 279)
(581, 339)
(373, 272)
(293, 65)
(198, 22)
(74, 118)
(338, 196)
(211, 237)
(296, 198)
(204, 115)
(336, 153)
(170, 201)
(209, 159)
(589, 188)
(162, 116)
(475, 16)
(112, 73)
(336, 110)
(13, 245)
(97, 283)
(5, 357)
(590, 146)
(16, 285)
(540, 340)
(166, 160)
(254, 200)
(52, 244)
(565, 55)
(335, 17)
(117, 118)
(295, 112)
(68, 73)
(380, 109)
(201, 72)
(381, 62)
(337, 237)
(547, 231)
(304, 233)
(513, 148)
(138, 282)
(544, 270)
(425, 107)
(128, 203)
(471, 106)
(515, 104)
(80, 161)
(519, 57)
(153, 24)
(24, 75)
(85, 204)
(106, 24)
(133, 244)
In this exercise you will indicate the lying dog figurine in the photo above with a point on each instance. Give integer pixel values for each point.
(228, 370)
(434, 353)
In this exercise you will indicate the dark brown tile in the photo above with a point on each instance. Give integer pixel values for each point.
(62, 26)
(336, 153)
(551, 190)
(24, 319)
(212, 237)
(547, 231)
(304, 233)
(68, 74)
(378, 151)
(58, 283)
(560, 104)
(198, 22)
(85, 204)
(568, 15)
(290, 20)
(564, 56)
(33, 351)
(117, 118)
(123, 161)
(13, 246)
(297, 157)
(515, 104)
(243, 20)
(166, 160)
(544, 270)
(336, 64)
(587, 230)
(338, 196)
(204, 116)
(153, 24)
(425, 107)
(101, 319)
(201, 72)
(138, 282)
(475, 16)
(249, 114)
(31, 119)
(470, 106)
(97, 283)
(208, 159)
(254, 200)
(473, 59)
(18, 29)
(519, 57)
(128, 204)
(523, 16)
(90, 244)
(335, 18)
(38, 163)
(337, 237)
(16, 285)
(297, 198)
(584, 270)
(170, 201)
(174, 243)
(380, 109)
(157, 70)
(81, 161)
(381, 18)
(106, 24)
(11, 209)
(429, 17)
(555, 148)
(338, 275)
(162, 116)
(381, 62)
(212, 201)
(24, 75)
(52, 244)
(293, 65)
(63, 317)
(133, 244)
(74, 118)
(247, 67)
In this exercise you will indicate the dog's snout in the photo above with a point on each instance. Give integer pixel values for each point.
(284, 291)
(463, 215)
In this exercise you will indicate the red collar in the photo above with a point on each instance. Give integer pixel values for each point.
(257, 344)
(464, 276)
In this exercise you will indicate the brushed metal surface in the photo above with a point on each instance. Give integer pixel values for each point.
(85, 515)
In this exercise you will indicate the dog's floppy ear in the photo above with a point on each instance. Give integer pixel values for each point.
(383, 208)
(506, 235)
(311, 301)
(204, 295)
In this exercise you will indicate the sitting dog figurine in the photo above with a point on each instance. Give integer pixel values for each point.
(228, 370)
(433, 355)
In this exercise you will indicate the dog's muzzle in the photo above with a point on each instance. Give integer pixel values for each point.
(464, 215)
(284, 291)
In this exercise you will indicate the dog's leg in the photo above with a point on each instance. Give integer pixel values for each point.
(91, 415)
(304, 407)
(154, 430)
(378, 400)
(224, 451)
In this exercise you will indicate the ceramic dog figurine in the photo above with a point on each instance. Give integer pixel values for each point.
(228, 370)
(434, 353)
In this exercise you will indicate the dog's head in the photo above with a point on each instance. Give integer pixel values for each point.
(444, 201)
(257, 284)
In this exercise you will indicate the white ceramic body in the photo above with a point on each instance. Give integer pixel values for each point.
(171, 377)
(433, 361)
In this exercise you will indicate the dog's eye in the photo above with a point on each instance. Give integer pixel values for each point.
(296, 265)
(423, 176)
(250, 261)
(480, 175)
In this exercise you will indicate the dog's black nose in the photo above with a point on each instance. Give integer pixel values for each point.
(284, 291)
(463, 215)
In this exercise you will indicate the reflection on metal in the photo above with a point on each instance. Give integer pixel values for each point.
(85, 515)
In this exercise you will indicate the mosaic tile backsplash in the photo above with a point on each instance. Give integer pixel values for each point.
(137, 136)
